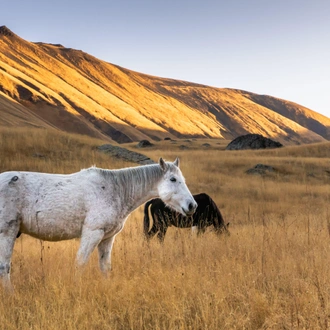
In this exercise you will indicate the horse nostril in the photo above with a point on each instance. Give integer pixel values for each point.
(190, 206)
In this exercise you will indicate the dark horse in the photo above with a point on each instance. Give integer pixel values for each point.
(206, 214)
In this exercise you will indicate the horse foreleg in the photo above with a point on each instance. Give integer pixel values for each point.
(89, 240)
(201, 230)
(104, 249)
(194, 231)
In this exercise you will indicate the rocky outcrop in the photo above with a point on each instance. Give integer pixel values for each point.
(261, 169)
(252, 141)
(125, 154)
(144, 144)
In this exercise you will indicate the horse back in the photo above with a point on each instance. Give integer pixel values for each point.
(29, 187)
(43, 202)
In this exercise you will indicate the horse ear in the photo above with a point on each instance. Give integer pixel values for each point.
(177, 162)
(162, 164)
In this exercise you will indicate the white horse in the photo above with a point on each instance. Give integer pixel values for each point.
(92, 204)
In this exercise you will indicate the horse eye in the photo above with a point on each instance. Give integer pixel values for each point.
(173, 179)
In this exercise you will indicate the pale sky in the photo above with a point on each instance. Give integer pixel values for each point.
(275, 47)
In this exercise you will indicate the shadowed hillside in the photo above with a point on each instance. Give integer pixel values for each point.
(46, 85)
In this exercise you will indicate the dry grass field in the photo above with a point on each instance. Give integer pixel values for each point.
(271, 273)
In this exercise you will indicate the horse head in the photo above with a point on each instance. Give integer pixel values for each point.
(173, 190)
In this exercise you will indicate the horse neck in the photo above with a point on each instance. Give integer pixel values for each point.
(138, 185)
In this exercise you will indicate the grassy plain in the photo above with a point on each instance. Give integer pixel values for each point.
(271, 273)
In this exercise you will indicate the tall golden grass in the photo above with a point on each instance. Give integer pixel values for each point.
(271, 273)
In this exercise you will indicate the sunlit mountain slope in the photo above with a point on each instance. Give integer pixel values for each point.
(47, 85)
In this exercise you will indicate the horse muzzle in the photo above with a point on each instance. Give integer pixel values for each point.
(191, 209)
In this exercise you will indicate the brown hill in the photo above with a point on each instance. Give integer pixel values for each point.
(46, 85)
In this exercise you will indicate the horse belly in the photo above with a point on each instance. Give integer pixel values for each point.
(53, 207)
(53, 225)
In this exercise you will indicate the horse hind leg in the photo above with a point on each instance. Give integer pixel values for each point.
(6, 250)
(154, 228)
(162, 233)
(152, 232)
(8, 232)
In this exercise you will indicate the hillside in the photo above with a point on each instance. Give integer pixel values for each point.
(46, 85)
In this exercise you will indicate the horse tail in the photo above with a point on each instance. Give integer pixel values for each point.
(146, 221)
